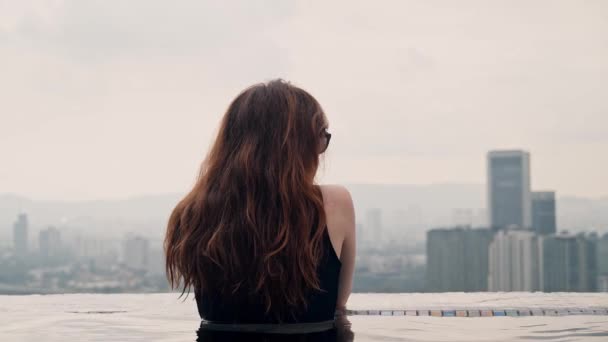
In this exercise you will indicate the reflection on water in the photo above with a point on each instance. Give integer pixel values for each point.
(340, 332)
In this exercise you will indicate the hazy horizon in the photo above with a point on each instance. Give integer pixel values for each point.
(347, 185)
(107, 100)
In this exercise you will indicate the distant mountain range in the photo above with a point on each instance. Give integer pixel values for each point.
(410, 208)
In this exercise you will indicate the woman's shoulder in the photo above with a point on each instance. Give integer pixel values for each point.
(336, 196)
(338, 204)
(340, 214)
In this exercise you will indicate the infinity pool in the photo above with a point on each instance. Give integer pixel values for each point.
(374, 317)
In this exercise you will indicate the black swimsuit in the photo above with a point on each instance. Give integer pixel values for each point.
(321, 304)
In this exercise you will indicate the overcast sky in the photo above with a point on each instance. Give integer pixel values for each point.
(109, 99)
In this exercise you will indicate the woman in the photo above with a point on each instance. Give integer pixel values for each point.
(256, 239)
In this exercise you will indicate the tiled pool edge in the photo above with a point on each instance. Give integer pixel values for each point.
(483, 312)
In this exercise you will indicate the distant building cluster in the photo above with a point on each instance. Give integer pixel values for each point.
(525, 261)
(520, 250)
(79, 264)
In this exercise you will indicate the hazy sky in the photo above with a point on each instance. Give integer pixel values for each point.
(106, 99)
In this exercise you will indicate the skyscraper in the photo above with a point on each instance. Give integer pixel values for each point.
(509, 202)
(49, 241)
(20, 236)
(457, 259)
(513, 261)
(136, 252)
(543, 212)
(373, 227)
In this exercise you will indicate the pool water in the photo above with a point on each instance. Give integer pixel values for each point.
(374, 317)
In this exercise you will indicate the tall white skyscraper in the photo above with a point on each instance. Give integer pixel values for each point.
(509, 199)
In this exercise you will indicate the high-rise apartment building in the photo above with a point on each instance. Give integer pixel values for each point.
(457, 259)
(569, 263)
(513, 261)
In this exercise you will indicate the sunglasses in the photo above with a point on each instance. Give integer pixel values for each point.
(327, 137)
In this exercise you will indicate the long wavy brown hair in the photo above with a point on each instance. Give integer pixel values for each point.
(253, 223)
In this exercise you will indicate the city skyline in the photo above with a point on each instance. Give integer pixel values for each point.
(522, 250)
(517, 249)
